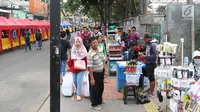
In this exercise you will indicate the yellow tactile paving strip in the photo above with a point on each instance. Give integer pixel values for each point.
(151, 107)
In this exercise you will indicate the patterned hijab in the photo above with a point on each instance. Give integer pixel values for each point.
(78, 52)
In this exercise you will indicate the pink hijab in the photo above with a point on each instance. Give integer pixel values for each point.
(78, 52)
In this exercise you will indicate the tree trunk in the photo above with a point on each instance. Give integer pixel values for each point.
(141, 6)
(108, 11)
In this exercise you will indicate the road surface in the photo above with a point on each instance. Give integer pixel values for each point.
(24, 79)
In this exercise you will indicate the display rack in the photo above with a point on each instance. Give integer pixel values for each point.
(115, 54)
(114, 50)
(163, 73)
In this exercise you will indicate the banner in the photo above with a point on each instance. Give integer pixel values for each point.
(38, 8)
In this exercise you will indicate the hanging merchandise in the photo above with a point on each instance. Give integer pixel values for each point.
(184, 94)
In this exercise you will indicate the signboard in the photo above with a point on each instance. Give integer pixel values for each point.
(30, 16)
(38, 8)
(187, 11)
(19, 14)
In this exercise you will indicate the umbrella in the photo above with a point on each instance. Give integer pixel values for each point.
(66, 24)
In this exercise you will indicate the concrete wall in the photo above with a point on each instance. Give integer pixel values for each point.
(178, 28)
(130, 23)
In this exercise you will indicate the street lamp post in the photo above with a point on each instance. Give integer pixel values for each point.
(55, 56)
(11, 9)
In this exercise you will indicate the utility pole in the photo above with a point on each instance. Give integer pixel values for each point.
(192, 28)
(11, 8)
(55, 56)
(141, 6)
(145, 2)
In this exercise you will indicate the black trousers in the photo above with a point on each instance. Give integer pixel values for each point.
(28, 45)
(96, 91)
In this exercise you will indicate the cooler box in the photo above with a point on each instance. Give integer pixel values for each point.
(112, 66)
(121, 68)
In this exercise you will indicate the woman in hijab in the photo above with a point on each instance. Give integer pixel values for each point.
(78, 57)
(196, 65)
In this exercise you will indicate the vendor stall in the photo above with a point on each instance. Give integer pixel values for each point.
(176, 83)
(114, 51)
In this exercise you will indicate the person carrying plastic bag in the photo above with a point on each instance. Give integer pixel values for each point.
(77, 64)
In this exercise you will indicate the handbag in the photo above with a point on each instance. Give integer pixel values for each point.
(80, 64)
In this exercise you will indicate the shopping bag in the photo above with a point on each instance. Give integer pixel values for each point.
(67, 85)
(85, 87)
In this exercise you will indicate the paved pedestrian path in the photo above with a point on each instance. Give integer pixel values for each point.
(113, 100)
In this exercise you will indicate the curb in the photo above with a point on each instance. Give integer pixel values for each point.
(45, 107)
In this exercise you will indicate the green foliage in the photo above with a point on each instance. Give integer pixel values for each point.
(72, 5)
(104, 10)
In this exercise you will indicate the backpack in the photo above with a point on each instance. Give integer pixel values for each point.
(27, 36)
(86, 41)
(63, 50)
(38, 36)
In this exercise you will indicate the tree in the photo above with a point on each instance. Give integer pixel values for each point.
(88, 7)
(106, 10)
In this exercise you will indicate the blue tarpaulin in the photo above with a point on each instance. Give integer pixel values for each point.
(66, 24)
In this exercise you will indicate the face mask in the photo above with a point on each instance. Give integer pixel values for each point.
(197, 61)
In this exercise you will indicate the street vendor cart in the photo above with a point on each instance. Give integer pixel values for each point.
(114, 51)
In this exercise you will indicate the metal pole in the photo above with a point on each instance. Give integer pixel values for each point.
(11, 10)
(193, 35)
(192, 28)
(55, 56)
(182, 51)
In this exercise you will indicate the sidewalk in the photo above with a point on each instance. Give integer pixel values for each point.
(113, 100)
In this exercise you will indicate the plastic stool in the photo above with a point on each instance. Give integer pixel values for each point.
(131, 88)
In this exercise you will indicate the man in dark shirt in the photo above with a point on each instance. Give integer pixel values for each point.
(68, 33)
(65, 46)
(135, 50)
(27, 39)
(38, 40)
(86, 38)
(150, 59)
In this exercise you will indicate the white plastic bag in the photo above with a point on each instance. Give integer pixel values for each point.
(85, 87)
(67, 85)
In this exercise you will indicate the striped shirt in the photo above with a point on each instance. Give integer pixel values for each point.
(95, 60)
